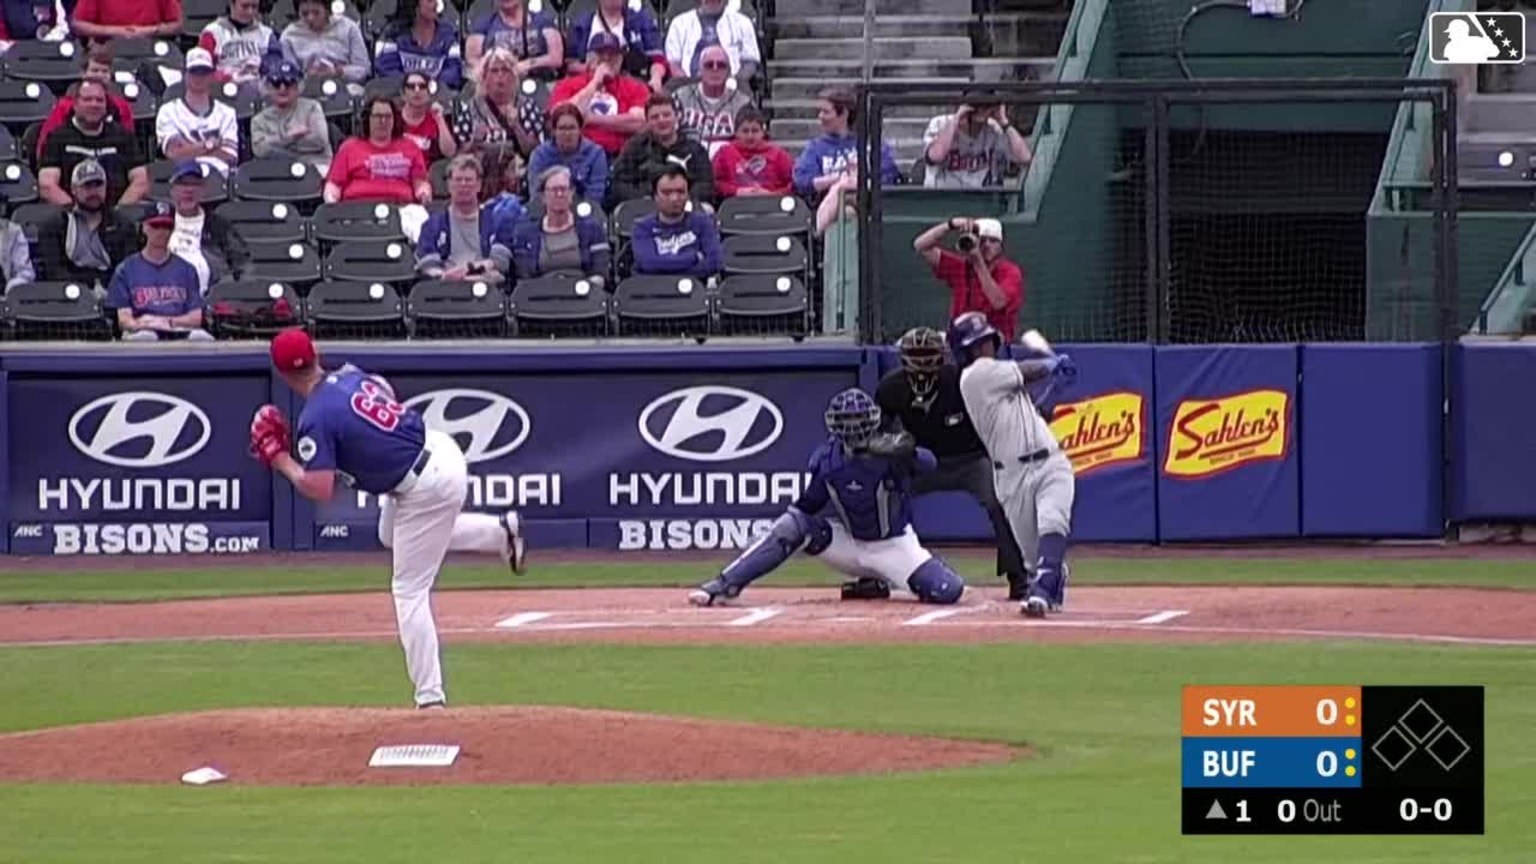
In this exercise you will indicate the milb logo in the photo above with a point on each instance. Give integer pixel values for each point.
(1487, 37)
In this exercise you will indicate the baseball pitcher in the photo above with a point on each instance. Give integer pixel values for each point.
(351, 427)
(1033, 476)
(923, 398)
(865, 479)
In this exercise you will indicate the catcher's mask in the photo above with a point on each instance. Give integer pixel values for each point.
(922, 356)
(853, 418)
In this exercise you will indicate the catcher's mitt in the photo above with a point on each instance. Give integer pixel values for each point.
(270, 434)
(892, 445)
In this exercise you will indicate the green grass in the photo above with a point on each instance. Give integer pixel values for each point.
(126, 585)
(1104, 787)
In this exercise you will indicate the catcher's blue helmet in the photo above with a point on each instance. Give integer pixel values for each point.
(967, 331)
(853, 417)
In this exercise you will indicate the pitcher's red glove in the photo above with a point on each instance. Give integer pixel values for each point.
(270, 434)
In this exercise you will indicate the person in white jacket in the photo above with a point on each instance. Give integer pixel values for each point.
(710, 24)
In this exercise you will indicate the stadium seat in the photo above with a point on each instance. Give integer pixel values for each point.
(252, 309)
(558, 304)
(677, 83)
(627, 214)
(215, 187)
(755, 305)
(583, 209)
(352, 310)
(287, 10)
(197, 14)
(55, 64)
(143, 100)
(18, 185)
(371, 261)
(54, 310)
(391, 87)
(356, 220)
(31, 217)
(581, 8)
(279, 178)
(23, 103)
(9, 149)
(437, 175)
(265, 222)
(762, 253)
(296, 264)
(765, 214)
(457, 310)
(538, 91)
(657, 305)
(335, 101)
(135, 51)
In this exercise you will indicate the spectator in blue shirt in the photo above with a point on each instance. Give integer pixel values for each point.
(466, 240)
(567, 147)
(564, 239)
(825, 156)
(416, 41)
(524, 28)
(156, 293)
(644, 56)
(676, 240)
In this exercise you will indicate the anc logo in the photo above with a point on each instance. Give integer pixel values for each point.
(1102, 431)
(1214, 435)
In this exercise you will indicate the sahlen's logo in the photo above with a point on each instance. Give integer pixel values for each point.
(487, 425)
(140, 429)
(711, 424)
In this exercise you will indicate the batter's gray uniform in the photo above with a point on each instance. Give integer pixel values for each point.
(1033, 477)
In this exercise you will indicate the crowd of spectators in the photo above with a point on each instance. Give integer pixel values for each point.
(542, 130)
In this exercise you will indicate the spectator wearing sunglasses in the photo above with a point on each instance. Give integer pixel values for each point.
(291, 125)
(709, 106)
(426, 121)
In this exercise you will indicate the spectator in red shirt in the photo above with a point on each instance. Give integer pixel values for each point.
(426, 121)
(980, 279)
(128, 19)
(750, 164)
(380, 164)
(612, 103)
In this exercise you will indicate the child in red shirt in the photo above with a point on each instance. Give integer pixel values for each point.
(750, 164)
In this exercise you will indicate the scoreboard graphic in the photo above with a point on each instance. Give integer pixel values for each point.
(1332, 760)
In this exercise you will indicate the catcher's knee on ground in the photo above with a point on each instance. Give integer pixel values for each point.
(934, 582)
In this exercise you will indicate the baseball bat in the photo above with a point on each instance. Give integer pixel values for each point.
(1035, 341)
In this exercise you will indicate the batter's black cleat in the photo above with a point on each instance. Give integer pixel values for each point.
(866, 589)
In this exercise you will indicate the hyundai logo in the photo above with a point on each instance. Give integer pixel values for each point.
(486, 425)
(711, 424)
(165, 429)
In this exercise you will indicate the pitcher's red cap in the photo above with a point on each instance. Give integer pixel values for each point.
(291, 349)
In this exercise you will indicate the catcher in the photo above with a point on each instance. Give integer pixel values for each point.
(352, 427)
(864, 478)
(923, 399)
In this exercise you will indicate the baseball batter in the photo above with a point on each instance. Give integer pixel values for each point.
(1033, 476)
(865, 478)
(351, 427)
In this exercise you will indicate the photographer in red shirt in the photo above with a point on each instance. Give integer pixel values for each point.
(980, 279)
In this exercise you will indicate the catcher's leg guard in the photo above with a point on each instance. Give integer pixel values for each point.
(789, 533)
(934, 582)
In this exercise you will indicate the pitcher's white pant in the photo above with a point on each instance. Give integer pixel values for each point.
(420, 521)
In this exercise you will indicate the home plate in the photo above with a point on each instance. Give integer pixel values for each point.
(415, 756)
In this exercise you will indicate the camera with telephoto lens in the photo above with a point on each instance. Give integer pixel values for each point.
(966, 242)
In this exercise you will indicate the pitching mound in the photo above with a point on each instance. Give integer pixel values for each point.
(500, 745)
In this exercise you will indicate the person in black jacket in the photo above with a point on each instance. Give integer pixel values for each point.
(662, 144)
(86, 242)
(923, 398)
(209, 243)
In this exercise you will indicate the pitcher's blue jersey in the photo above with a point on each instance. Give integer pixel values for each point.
(870, 495)
(352, 425)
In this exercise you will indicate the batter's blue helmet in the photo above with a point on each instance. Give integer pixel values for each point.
(966, 331)
(853, 417)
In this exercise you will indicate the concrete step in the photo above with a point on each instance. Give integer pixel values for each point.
(852, 26)
(806, 8)
(1483, 140)
(981, 69)
(806, 128)
(885, 48)
(907, 150)
(787, 87)
(807, 108)
(1022, 34)
(1513, 113)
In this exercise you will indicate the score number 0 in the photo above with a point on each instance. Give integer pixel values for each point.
(1409, 810)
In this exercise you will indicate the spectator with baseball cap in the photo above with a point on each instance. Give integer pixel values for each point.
(85, 243)
(155, 291)
(291, 125)
(979, 278)
(126, 19)
(198, 126)
(205, 239)
(612, 103)
(90, 134)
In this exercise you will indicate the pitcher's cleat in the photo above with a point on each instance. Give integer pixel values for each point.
(514, 552)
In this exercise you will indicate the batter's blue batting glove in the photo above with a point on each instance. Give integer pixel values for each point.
(1065, 366)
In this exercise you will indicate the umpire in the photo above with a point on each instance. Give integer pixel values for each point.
(923, 398)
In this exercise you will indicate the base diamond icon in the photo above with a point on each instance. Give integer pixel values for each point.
(1448, 748)
(1420, 721)
(1393, 748)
